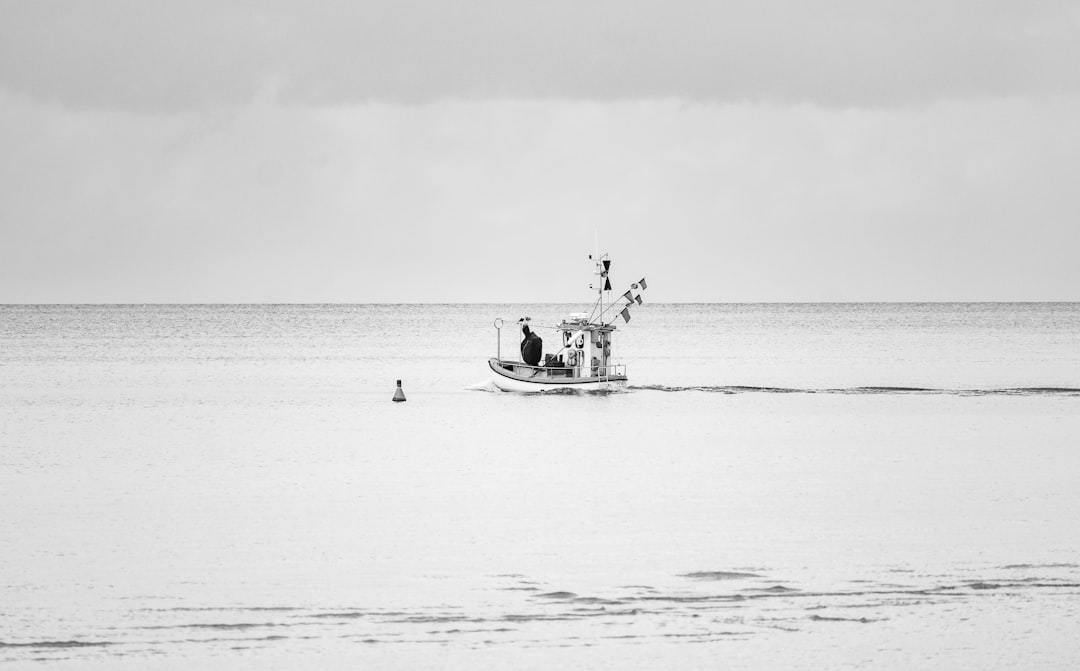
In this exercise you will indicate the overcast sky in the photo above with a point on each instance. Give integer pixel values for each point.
(349, 151)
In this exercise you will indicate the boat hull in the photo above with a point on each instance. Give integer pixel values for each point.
(514, 376)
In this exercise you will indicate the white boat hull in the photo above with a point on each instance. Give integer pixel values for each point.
(513, 376)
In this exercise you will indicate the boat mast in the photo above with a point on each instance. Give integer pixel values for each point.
(596, 248)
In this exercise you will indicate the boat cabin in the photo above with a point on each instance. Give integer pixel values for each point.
(584, 347)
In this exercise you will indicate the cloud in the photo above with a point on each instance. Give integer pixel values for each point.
(499, 201)
(467, 150)
(128, 54)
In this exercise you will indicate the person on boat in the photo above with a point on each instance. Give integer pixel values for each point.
(531, 346)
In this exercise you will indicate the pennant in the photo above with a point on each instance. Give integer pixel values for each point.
(625, 314)
(643, 285)
(629, 297)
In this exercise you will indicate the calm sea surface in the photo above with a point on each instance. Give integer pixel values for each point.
(782, 486)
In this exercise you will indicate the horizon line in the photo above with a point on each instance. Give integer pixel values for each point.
(738, 302)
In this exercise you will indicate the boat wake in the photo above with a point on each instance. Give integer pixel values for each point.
(484, 385)
(491, 386)
(930, 391)
(849, 391)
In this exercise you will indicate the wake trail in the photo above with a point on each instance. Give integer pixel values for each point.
(871, 390)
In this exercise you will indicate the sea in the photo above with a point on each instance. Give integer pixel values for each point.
(797, 486)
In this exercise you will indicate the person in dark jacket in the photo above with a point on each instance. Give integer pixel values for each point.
(531, 346)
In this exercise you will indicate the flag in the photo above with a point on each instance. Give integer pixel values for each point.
(629, 297)
(643, 285)
(625, 314)
(638, 299)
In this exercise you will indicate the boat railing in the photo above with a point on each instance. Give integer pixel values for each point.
(599, 372)
(618, 369)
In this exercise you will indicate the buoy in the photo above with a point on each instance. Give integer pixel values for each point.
(399, 393)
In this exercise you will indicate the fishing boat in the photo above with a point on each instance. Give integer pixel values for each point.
(582, 359)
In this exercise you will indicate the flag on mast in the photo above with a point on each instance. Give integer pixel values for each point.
(625, 314)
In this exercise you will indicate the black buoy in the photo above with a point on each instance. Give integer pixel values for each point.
(399, 393)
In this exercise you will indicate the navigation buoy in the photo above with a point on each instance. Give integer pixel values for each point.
(399, 393)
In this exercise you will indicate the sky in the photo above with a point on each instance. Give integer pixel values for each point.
(480, 150)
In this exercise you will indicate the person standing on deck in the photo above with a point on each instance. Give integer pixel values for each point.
(531, 346)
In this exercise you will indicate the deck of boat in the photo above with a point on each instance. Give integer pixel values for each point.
(556, 375)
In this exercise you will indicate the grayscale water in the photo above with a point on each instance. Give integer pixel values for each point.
(782, 486)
